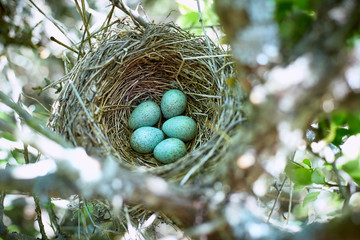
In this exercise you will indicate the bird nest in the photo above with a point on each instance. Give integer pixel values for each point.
(128, 67)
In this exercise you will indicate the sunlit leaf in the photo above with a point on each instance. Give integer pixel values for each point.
(307, 162)
(311, 197)
(300, 211)
(299, 174)
(189, 19)
(352, 167)
(298, 187)
(318, 176)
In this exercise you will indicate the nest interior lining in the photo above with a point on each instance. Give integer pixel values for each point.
(150, 67)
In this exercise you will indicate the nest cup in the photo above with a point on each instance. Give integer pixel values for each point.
(128, 67)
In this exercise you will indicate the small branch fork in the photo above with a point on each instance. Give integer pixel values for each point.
(134, 14)
(39, 218)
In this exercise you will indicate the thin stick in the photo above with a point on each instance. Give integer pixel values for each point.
(86, 22)
(26, 153)
(37, 101)
(137, 19)
(343, 191)
(86, 111)
(204, 31)
(290, 202)
(64, 45)
(3, 228)
(32, 122)
(53, 219)
(82, 42)
(53, 22)
(204, 57)
(82, 13)
(93, 222)
(79, 219)
(107, 23)
(39, 218)
(86, 232)
(277, 199)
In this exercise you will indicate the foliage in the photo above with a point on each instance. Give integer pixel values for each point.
(294, 18)
(189, 17)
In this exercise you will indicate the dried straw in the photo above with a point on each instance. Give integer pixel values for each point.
(130, 66)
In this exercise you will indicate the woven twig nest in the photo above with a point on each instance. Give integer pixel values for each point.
(128, 67)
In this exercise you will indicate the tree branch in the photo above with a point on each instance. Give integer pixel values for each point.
(134, 14)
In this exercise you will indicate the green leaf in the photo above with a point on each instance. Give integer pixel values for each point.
(307, 162)
(299, 174)
(340, 117)
(189, 19)
(352, 167)
(8, 136)
(354, 123)
(340, 134)
(300, 211)
(302, 4)
(318, 176)
(311, 197)
(298, 187)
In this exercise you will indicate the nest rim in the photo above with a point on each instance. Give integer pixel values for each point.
(108, 78)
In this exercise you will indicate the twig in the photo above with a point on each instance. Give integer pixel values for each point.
(3, 228)
(204, 31)
(53, 22)
(277, 199)
(211, 56)
(106, 24)
(290, 202)
(82, 43)
(81, 211)
(343, 191)
(205, 26)
(37, 101)
(64, 45)
(39, 218)
(93, 222)
(87, 112)
(32, 122)
(135, 16)
(26, 153)
(79, 219)
(54, 221)
(82, 13)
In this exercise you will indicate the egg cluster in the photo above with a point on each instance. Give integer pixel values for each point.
(178, 129)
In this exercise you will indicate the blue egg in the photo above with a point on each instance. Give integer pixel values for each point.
(170, 150)
(173, 103)
(145, 114)
(145, 139)
(181, 127)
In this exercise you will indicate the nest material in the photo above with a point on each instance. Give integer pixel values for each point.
(129, 67)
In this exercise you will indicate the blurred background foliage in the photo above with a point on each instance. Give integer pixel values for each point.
(324, 174)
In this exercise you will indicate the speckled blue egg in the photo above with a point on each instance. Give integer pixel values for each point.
(173, 103)
(181, 127)
(145, 139)
(145, 114)
(170, 150)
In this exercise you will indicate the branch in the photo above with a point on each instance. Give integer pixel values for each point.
(4, 232)
(135, 16)
(72, 171)
(30, 121)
